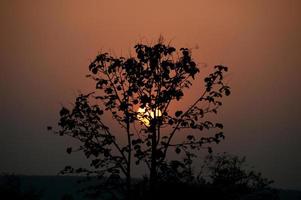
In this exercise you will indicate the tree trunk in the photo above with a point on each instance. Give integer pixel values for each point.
(128, 176)
(128, 187)
(153, 171)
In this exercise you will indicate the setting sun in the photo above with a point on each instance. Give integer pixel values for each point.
(145, 116)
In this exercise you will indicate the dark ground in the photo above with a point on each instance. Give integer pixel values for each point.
(55, 187)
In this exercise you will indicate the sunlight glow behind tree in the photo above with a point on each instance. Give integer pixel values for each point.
(146, 116)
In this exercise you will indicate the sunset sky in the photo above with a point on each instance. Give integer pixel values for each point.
(46, 47)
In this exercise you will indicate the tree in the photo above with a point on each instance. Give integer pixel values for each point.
(139, 90)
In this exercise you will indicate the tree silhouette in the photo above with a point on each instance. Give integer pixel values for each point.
(138, 91)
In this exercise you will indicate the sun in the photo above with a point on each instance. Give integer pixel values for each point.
(145, 116)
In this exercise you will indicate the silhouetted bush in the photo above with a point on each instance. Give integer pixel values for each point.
(223, 176)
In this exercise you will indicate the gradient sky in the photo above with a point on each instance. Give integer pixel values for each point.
(46, 46)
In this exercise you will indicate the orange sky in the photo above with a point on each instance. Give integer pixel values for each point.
(46, 47)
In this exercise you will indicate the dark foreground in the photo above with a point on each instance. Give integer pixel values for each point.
(67, 188)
